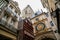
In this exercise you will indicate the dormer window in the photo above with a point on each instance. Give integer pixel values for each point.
(47, 14)
(35, 13)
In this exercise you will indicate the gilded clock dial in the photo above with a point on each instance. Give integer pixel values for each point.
(40, 26)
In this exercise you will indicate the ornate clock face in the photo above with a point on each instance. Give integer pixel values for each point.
(40, 26)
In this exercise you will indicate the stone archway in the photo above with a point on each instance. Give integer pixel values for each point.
(46, 36)
(47, 39)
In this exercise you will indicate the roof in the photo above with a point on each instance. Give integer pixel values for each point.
(36, 14)
(28, 6)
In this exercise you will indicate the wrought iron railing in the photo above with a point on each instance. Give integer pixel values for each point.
(8, 26)
(8, 9)
(11, 27)
(2, 21)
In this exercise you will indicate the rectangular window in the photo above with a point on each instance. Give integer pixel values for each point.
(16, 11)
(26, 12)
(12, 22)
(6, 16)
(2, 4)
(11, 6)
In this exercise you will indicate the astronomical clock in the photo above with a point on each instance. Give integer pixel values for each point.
(40, 27)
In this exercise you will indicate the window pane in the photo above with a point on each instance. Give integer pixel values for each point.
(37, 19)
(51, 23)
(26, 12)
(46, 14)
(36, 14)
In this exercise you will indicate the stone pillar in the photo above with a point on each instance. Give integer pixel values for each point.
(2, 14)
(9, 19)
(16, 24)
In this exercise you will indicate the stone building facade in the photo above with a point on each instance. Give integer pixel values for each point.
(43, 27)
(53, 7)
(9, 17)
(27, 12)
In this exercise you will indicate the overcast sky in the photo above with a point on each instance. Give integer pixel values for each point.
(35, 4)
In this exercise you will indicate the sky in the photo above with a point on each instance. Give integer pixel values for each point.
(35, 4)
